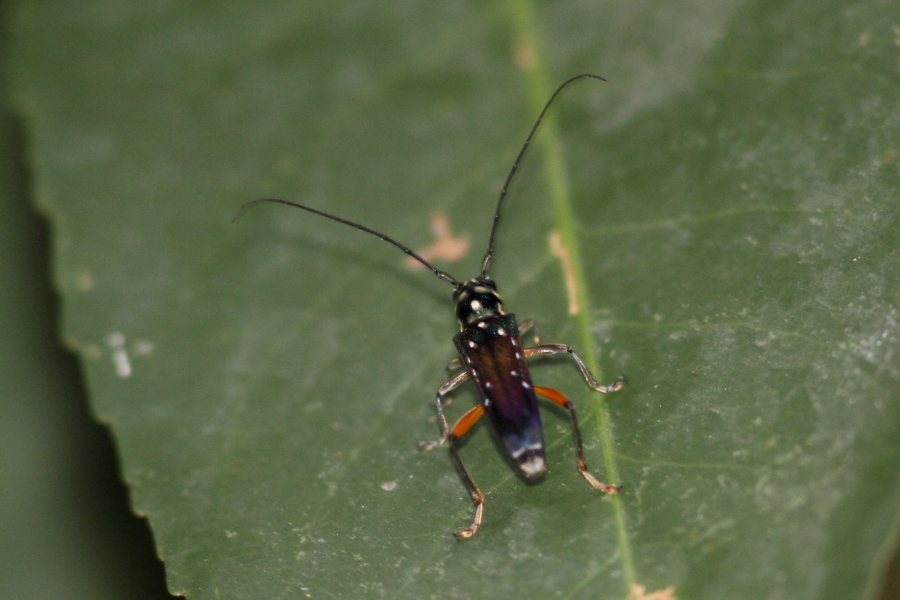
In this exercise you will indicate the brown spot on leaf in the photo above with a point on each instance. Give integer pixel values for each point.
(562, 253)
(445, 247)
(639, 592)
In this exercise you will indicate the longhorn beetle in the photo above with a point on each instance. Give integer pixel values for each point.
(494, 359)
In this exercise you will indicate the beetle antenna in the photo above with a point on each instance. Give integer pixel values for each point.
(435, 270)
(490, 248)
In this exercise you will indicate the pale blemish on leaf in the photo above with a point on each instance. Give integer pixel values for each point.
(121, 362)
(639, 592)
(143, 348)
(84, 281)
(562, 253)
(445, 247)
(524, 53)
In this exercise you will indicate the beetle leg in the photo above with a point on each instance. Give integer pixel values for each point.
(550, 349)
(451, 435)
(448, 386)
(459, 430)
(526, 326)
(455, 364)
(560, 398)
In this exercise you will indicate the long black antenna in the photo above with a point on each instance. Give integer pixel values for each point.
(434, 269)
(490, 248)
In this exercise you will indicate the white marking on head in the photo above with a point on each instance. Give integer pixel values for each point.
(482, 324)
(476, 305)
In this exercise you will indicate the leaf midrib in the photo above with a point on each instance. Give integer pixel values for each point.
(531, 62)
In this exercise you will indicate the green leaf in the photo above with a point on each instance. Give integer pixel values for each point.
(729, 203)
(67, 529)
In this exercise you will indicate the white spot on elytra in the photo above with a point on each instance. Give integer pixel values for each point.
(471, 344)
(482, 324)
(534, 466)
(501, 332)
(526, 385)
(487, 385)
(515, 342)
(116, 342)
(476, 305)
(514, 373)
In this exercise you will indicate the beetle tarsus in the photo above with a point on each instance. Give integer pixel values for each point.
(464, 534)
(597, 484)
(615, 386)
(425, 446)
